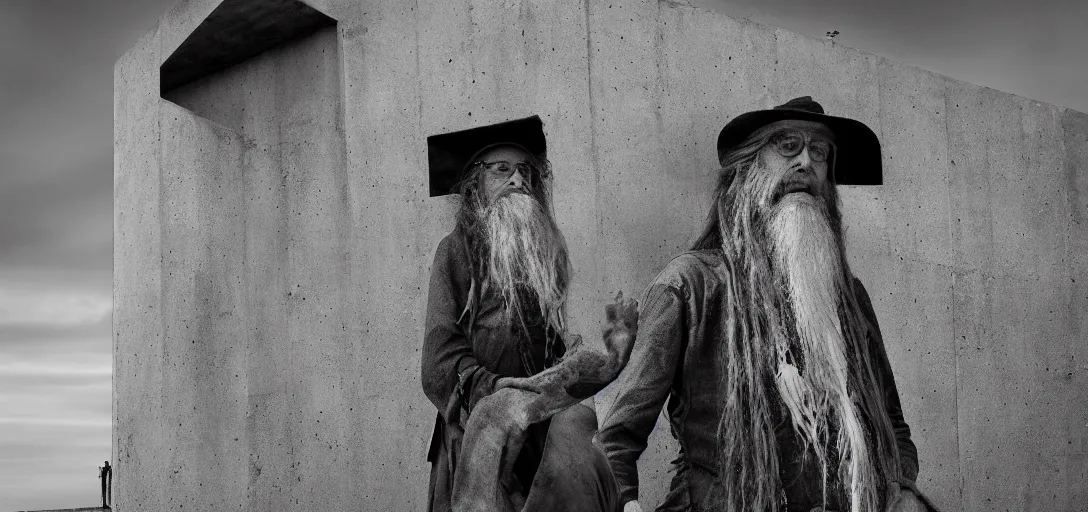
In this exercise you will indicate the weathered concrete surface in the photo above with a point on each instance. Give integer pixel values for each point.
(137, 292)
(274, 232)
(269, 189)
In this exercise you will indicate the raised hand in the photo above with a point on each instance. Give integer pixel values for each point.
(621, 328)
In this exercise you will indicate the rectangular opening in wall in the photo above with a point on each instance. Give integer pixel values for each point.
(236, 31)
(448, 153)
(216, 72)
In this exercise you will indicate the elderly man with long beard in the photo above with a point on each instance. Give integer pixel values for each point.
(782, 397)
(494, 352)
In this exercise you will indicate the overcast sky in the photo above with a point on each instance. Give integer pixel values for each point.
(56, 239)
(56, 210)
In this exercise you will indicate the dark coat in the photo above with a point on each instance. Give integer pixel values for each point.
(465, 351)
(675, 358)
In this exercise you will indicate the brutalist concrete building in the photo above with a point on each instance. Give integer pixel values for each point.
(276, 217)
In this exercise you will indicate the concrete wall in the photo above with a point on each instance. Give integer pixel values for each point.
(273, 236)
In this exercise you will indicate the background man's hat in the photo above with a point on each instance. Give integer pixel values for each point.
(449, 154)
(857, 149)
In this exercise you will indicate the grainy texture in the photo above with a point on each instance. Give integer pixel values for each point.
(137, 291)
(273, 232)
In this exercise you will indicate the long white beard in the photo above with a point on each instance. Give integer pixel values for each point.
(527, 252)
(806, 251)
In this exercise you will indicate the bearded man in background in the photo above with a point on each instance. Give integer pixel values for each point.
(782, 397)
(494, 319)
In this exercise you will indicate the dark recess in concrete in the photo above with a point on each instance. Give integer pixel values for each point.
(236, 31)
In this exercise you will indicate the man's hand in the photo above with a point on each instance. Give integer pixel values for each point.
(621, 327)
(632, 506)
(623, 313)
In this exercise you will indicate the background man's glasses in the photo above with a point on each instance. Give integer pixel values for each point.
(790, 143)
(503, 169)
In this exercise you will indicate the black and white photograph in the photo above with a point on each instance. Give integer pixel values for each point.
(543, 255)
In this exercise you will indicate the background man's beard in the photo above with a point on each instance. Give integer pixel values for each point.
(526, 253)
(807, 258)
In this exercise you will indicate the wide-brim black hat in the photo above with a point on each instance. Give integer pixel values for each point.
(450, 154)
(857, 149)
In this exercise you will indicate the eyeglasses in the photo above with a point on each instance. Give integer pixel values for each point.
(502, 169)
(789, 144)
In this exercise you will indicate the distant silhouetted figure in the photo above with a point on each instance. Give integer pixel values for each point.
(105, 473)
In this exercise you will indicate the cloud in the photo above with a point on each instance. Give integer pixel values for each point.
(55, 423)
(57, 219)
(102, 422)
(53, 307)
(56, 389)
(83, 365)
(51, 465)
(56, 136)
(50, 302)
(55, 384)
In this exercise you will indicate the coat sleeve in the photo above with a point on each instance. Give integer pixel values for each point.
(643, 385)
(908, 453)
(447, 357)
